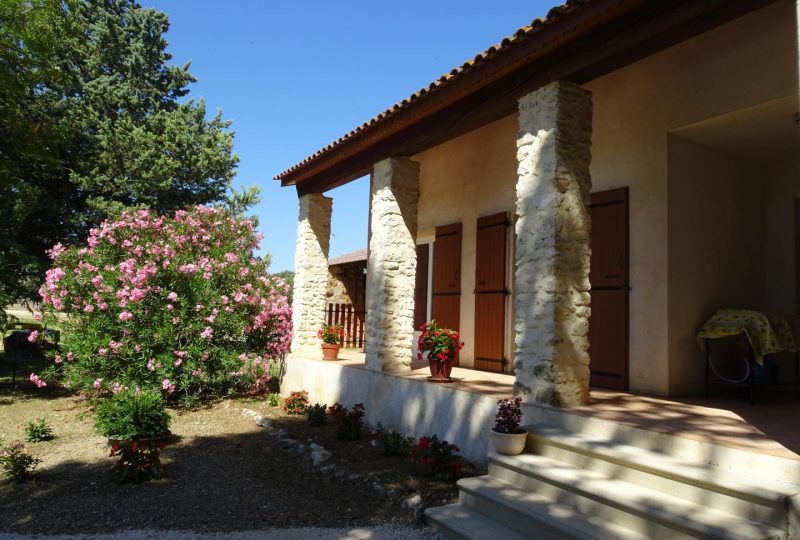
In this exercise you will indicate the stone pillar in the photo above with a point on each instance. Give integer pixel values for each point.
(392, 264)
(553, 245)
(311, 272)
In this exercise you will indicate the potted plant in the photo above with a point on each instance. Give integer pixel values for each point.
(442, 345)
(332, 336)
(506, 436)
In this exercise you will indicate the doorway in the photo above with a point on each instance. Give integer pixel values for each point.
(609, 277)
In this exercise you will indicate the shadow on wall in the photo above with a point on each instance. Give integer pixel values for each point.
(412, 407)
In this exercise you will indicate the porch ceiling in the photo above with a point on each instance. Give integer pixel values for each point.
(578, 41)
(766, 133)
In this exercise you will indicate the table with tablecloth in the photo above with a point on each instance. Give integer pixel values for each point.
(768, 333)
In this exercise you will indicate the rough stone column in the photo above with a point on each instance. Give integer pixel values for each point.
(553, 245)
(392, 264)
(311, 271)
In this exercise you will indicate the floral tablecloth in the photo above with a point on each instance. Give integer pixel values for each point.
(768, 333)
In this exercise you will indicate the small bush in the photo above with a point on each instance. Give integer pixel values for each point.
(509, 416)
(348, 423)
(274, 399)
(38, 430)
(296, 403)
(439, 458)
(132, 415)
(317, 414)
(136, 461)
(17, 465)
(392, 443)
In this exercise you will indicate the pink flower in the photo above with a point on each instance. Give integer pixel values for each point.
(172, 296)
(37, 381)
(102, 352)
(125, 316)
(207, 333)
(88, 308)
(32, 337)
(57, 359)
(168, 386)
(151, 364)
(97, 383)
(170, 307)
(70, 356)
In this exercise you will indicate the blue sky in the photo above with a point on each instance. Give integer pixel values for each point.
(295, 75)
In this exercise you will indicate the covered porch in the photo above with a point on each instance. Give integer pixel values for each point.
(463, 411)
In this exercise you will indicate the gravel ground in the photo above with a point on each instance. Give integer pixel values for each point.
(224, 476)
(382, 532)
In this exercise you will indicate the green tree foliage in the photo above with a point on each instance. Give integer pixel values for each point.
(94, 119)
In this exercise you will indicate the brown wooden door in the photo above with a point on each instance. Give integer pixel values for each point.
(446, 286)
(490, 292)
(608, 325)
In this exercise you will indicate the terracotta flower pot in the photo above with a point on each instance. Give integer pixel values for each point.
(510, 444)
(440, 371)
(330, 351)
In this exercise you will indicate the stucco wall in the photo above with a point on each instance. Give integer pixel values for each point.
(748, 61)
(461, 180)
(743, 63)
(783, 189)
(716, 245)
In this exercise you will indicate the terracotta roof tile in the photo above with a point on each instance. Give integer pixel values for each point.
(355, 256)
(521, 34)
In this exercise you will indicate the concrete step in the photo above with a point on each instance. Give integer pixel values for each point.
(648, 511)
(767, 466)
(734, 491)
(458, 522)
(534, 515)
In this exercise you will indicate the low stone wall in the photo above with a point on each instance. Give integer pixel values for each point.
(412, 407)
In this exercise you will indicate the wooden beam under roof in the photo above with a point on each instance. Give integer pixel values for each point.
(613, 34)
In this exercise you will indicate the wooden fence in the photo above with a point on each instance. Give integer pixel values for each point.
(352, 319)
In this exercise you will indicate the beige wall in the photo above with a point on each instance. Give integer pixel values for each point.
(779, 247)
(746, 62)
(716, 246)
(461, 180)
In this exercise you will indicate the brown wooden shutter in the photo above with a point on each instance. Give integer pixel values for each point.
(421, 287)
(490, 292)
(446, 287)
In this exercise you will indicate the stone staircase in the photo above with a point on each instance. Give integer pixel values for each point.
(586, 480)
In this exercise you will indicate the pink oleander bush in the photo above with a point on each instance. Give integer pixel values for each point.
(178, 304)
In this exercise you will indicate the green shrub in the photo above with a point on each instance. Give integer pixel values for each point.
(176, 303)
(274, 399)
(136, 461)
(38, 430)
(392, 443)
(17, 465)
(296, 403)
(439, 458)
(317, 414)
(348, 423)
(131, 415)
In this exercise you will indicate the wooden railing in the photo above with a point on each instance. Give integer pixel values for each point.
(352, 319)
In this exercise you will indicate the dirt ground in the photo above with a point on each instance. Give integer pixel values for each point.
(222, 473)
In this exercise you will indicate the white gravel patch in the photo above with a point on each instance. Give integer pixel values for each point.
(381, 532)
